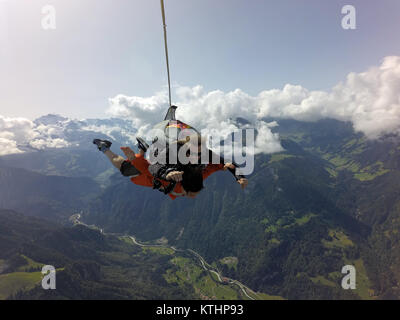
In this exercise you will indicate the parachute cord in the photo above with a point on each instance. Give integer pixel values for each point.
(166, 50)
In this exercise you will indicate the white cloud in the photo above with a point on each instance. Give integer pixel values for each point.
(17, 129)
(53, 131)
(8, 146)
(18, 133)
(41, 144)
(112, 131)
(142, 111)
(266, 141)
(213, 113)
(370, 100)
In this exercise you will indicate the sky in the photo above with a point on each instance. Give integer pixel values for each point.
(101, 50)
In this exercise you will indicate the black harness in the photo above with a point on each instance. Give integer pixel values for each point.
(167, 189)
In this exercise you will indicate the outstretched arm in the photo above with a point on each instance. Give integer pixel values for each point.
(239, 178)
(225, 166)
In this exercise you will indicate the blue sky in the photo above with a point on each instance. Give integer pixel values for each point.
(104, 48)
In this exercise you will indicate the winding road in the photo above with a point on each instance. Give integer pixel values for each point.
(75, 219)
(206, 266)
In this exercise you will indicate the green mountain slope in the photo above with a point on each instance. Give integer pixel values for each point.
(332, 198)
(52, 197)
(307, 212)
(91, 265)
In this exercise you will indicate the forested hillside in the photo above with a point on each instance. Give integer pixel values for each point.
(330, 199)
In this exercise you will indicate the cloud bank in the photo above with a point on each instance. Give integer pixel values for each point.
(370, 100)
(16, 134)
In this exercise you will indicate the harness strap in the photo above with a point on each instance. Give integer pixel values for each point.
(159, 186)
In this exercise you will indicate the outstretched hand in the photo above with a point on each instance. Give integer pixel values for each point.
(175, 176)
(243, 182)
(229, 165)
(128, 152)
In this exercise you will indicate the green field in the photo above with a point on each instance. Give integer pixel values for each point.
(31, 265)
(279, 157)
(363, 284)
(264, 296)
(159, 250)
(10, 283)
(204, 283)
(322, 280)
(338, 240)
(231, 262)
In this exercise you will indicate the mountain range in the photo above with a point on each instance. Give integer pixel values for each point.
(330, 199)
